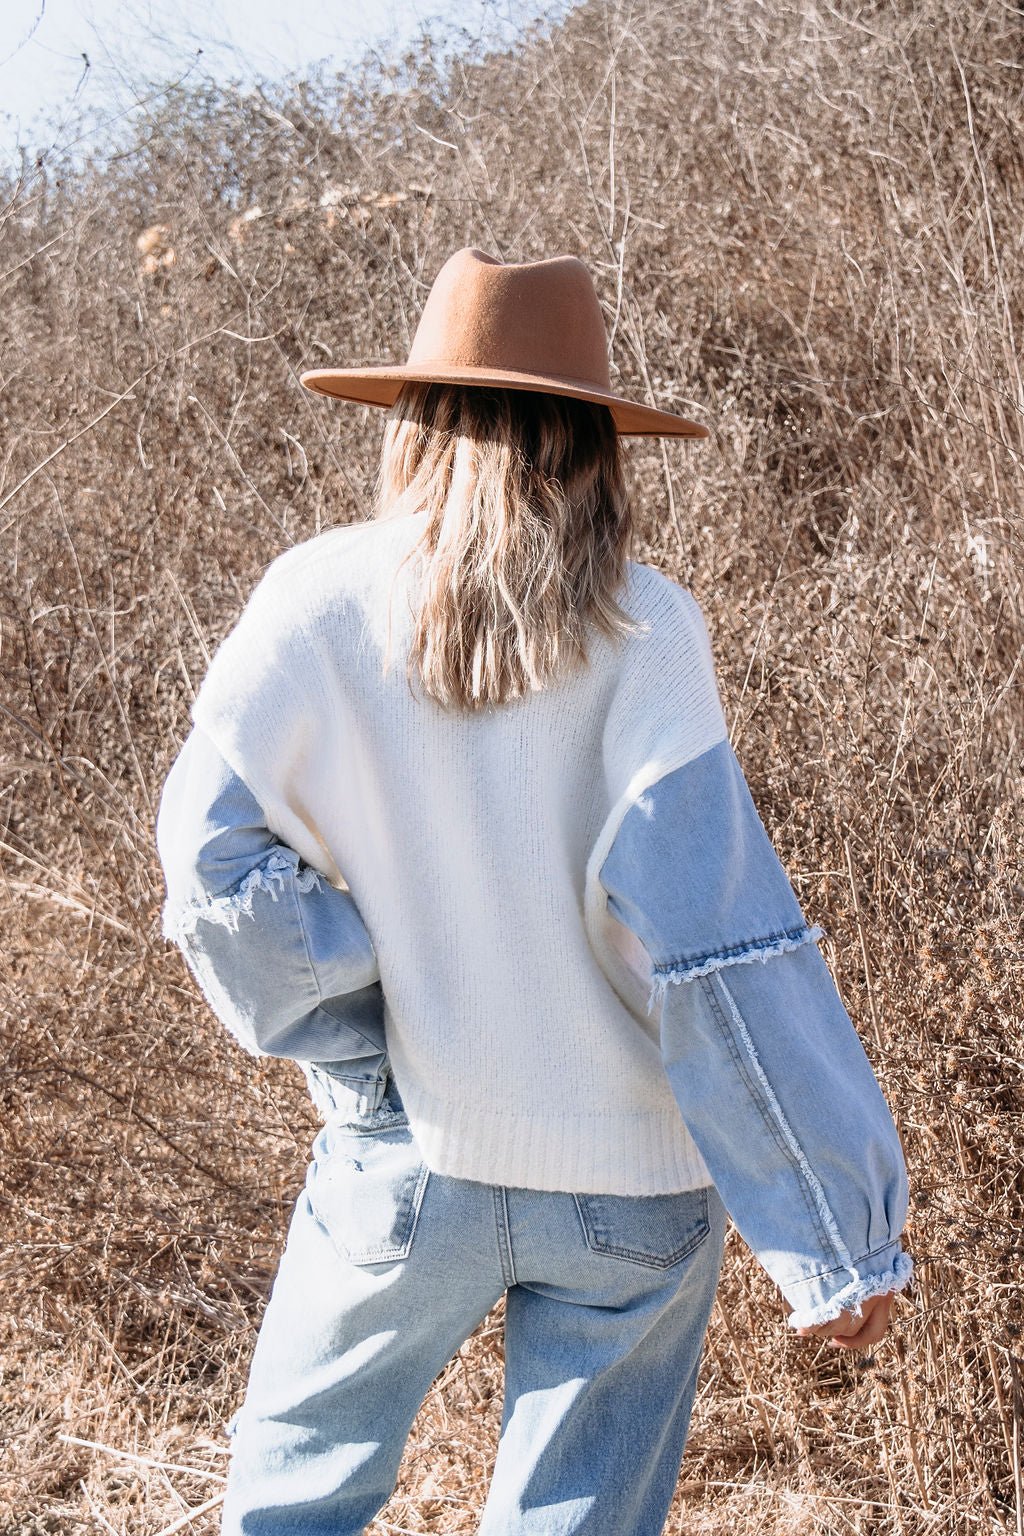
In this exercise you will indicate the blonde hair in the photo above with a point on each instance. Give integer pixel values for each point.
(527, 527)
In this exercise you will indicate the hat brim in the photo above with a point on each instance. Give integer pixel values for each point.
(381, 385)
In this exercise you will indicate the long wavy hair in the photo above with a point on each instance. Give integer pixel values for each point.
(527, 529)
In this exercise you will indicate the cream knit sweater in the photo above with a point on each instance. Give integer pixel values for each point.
(516, 1003)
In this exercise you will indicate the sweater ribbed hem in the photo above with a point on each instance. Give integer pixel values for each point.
(612, 1152)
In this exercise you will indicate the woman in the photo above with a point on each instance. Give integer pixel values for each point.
(512, 908)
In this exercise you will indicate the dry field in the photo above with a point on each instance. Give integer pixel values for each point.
(805, 222)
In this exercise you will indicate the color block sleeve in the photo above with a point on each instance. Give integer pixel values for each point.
(694, 875)
(281, 955)
(764, 1061)
(264, 705)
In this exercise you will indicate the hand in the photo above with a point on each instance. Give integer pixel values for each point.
(849, 1332)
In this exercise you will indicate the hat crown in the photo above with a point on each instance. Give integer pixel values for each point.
(534, 317)
(526, 325)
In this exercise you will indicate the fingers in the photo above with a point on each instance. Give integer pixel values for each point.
(865, 1338)
(845, 1323)
(849, 1332)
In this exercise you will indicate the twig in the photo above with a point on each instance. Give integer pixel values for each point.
(95, 1511)
(40, 893)
(114, 690)
(124, 395)
(190, 1515)
(151, 1125)
(148, 1461)
(863, 945)
(825, 1498)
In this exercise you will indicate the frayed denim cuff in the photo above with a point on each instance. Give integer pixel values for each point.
(763, 949)
(821, 1298)
(179, 918)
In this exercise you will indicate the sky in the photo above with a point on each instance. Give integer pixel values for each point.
(58, 56)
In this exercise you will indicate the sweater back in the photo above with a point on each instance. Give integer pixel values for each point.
(515, 1007)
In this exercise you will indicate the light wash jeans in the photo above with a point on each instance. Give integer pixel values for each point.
(387, 1269)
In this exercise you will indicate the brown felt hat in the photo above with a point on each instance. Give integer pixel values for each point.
(523, 325)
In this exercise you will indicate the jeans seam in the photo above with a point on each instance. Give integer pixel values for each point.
(504, 1235)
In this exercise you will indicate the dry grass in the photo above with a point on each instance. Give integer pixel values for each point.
(805, 222)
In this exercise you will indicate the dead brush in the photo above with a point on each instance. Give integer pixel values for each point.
(805, 223)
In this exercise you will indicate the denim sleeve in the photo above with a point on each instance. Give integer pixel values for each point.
(281, 955)
(764, 1061)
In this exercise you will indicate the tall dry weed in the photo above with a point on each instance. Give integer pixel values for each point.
(804, 221)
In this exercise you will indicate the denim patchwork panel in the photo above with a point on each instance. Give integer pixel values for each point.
(281, 955)
(694, 876)
(366, 1184)
(779, 1095)
(765, 1064)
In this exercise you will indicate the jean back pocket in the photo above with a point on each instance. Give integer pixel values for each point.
(655, 1230)
(366, 1184)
